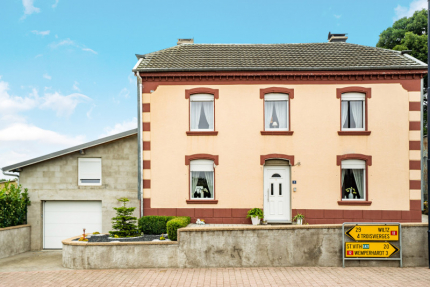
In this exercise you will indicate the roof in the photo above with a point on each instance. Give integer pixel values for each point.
(70, 150)
(275, 57)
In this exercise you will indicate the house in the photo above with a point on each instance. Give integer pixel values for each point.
(78, 187)
(329, 130)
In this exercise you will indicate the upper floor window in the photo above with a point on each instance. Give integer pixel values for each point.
(276, 112)
(89, 171)
(202, 179)
(353, 112)
(353, 179)
(201, 112)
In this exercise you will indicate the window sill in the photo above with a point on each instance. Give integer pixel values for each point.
(210, 201)
(353, 133)
(276, 133)
(211, 133)
(354, 202)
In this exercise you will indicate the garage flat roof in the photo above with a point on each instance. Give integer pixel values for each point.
(104, 140)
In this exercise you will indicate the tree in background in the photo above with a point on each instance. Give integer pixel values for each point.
(409, 34)
(123, 223)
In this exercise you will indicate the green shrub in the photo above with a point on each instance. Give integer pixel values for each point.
(13, 205)
(176, 223)
(124, 224)
(153, 224)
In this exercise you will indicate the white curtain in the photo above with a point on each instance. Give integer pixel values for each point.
(209, 113)
(344, 113)
(268, 110)
(196, 108)
(343, 175)
(194, 180)
(209, 180)
(358, 177)
(281, 108)
(357, 113)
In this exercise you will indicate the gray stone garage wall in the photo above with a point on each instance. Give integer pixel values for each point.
(57, 179)
(241, 246)
(14, 240)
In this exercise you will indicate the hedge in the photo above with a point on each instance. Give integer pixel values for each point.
(176, 223)
(13, 205)
(153, 224)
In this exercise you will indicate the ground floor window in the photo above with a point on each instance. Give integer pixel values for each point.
(202, 179)
(353, 180)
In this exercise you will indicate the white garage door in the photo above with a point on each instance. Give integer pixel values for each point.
(65, 219)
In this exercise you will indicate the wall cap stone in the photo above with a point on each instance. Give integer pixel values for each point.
(14, 227)
(83, 243)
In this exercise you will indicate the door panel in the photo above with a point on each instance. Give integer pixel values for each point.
(277, 193)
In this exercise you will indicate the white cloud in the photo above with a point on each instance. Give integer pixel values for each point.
(31, 133)
(415, 5)
(89, 112)
(75, 86)
(46, 76)
(337, 16)
(29, 8)
(55, 4)
(68, 42)
(131, 79)
(41, 33)
(125, 93)
(118, 128)
(63, 105)
(37, 56)
(89, 50)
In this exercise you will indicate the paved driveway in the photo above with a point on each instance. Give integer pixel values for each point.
(44, 268)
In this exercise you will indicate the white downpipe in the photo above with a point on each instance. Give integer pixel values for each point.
(140, 141)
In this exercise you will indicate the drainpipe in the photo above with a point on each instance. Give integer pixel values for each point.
(139, 142)
(11, 174)
(428, 122)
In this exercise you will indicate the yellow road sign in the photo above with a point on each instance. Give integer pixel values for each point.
(369, 249)
(374, 233)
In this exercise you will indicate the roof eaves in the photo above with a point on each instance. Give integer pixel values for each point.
(352, 68)
(415, 59)
(70, 150)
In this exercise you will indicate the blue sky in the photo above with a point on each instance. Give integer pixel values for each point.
(65, 66)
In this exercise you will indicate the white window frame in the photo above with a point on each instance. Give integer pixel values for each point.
(273, 97)
(89, 159)
(202, 165)
(354, 97)
(355, 164)
(203, 98)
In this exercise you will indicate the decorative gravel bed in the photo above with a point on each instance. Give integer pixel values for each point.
(107, 238)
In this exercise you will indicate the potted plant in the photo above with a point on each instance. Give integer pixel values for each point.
(299, 218)
(256, 215)
(351, 193)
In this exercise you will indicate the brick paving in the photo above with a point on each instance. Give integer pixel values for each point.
(277, 276)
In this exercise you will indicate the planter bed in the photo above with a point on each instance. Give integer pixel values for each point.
(107, 238)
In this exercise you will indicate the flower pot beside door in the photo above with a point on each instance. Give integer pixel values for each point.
(299, 219)
(256, 214)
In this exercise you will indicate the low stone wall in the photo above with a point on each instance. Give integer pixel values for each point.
(14, 240)
(240, 246)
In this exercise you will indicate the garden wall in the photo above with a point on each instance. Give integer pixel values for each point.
(240, 246)
(14, 240)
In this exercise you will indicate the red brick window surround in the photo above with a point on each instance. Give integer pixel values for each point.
(346, 159)
(188, 94)
(276, 92)
(367, 95)
(193, 162)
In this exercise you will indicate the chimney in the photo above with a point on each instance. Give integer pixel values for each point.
(185, 41)
(337, 37)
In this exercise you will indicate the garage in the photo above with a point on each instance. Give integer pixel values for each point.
(65, 219)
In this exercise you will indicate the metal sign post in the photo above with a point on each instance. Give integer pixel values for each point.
(372, 241)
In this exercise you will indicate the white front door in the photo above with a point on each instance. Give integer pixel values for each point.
(277, 206)
(65, 219)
